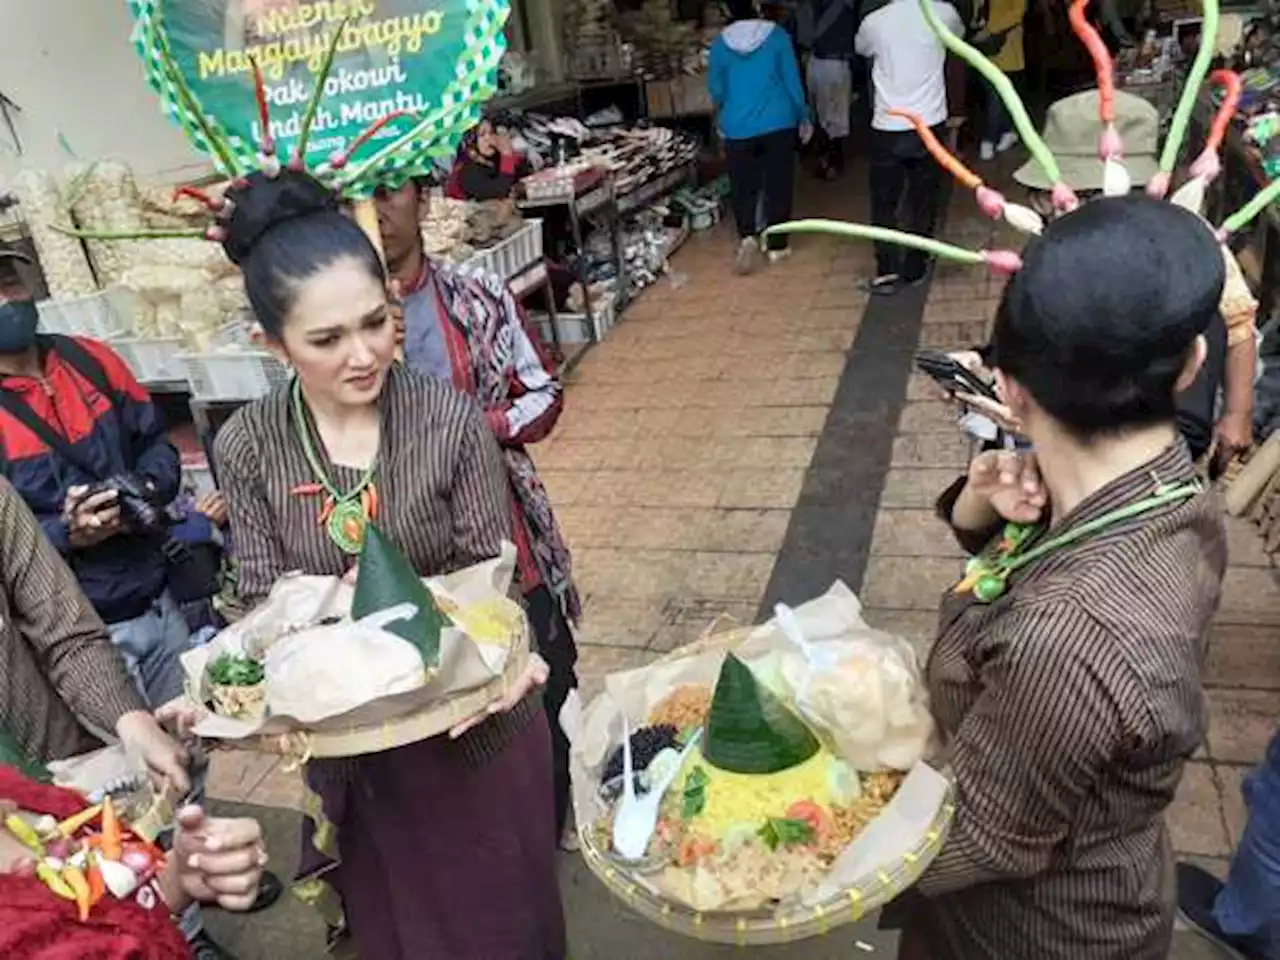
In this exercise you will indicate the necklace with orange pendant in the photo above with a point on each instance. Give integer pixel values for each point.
(345, 516)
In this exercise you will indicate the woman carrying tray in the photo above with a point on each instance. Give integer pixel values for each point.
(447, 845)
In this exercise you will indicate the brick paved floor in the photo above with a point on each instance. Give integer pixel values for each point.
(676, 470)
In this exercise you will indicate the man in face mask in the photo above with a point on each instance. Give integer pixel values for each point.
(84, 445)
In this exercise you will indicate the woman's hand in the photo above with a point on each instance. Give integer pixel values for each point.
(535, 675)
(1002, 485)
(214, 860)
(166, 759)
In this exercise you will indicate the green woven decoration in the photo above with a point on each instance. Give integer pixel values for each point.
(749, 730)
(386, 579)
(422, 71)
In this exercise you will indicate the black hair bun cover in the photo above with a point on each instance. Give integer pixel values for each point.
(262, 203)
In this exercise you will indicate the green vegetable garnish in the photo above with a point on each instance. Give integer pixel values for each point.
(695, 793)
(780, 832)
(230, 670)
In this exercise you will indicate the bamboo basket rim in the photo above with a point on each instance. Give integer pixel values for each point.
(360, 739)
(762, 927)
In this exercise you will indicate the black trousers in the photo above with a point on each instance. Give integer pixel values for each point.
(554, 639)
(906, 194)
(762, 164)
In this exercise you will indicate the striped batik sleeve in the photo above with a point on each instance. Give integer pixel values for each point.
(479, 498)
(1033, 745)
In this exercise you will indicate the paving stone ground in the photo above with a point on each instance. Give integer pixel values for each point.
(676, 469)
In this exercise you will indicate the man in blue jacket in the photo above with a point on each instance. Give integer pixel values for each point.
(754, 81)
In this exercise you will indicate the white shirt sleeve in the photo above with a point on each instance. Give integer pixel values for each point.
(864, 42)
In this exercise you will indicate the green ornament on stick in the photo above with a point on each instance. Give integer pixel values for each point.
(387, 579)
(750, 730)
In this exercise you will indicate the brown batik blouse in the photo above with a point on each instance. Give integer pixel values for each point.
(1069, 707)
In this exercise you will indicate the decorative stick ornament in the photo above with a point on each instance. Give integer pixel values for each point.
(1159, 184)
(999, 261)
(1064, 198)
(1206, 167)
(990, 201)
(1116, 181)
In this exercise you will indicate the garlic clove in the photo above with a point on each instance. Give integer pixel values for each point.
(1023, 219)
(1115, 178)
(1190, 196)
(119, 880)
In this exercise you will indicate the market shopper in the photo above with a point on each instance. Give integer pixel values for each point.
(754, 82)
(1066, 676)
(487, 167)
(908, 72)
(1001, 39)
(1243, 914)
(830, 76)
(444, 848)
(466, 329)
(1216, 409)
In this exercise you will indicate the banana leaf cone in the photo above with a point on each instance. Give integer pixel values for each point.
(387, 579)
(12, 755)
(750, 730)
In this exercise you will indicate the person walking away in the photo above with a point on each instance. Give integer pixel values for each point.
(1001, 40)
(465, 329)
(754, 82)
(1216, 409)
(1244, 913)
(908, 72)
(830, 76)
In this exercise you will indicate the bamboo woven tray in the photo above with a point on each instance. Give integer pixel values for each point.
(761, 927)
(358, 740)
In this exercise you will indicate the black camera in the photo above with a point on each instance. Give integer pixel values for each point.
(137, 502)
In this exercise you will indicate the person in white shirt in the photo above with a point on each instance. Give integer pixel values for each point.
(908, 73)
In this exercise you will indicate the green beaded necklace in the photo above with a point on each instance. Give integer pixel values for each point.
(987, 574)
(344, 516)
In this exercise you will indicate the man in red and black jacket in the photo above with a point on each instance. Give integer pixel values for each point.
(72, 416)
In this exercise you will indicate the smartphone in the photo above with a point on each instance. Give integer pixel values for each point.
(952, 375)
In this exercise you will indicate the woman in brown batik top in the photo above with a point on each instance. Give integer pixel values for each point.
(1066, 676)
(445, 848)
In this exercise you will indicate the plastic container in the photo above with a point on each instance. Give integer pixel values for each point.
(512, 255)
(233, 375)
(152, 359)
(105, 315)
(571, 327)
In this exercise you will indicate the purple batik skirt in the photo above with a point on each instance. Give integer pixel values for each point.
(444, 857)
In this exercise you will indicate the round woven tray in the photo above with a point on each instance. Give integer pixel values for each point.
(357, 740)
(760, 927)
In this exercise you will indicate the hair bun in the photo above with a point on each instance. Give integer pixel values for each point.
(262, 203)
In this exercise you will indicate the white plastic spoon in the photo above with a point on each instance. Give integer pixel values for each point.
(637, 817)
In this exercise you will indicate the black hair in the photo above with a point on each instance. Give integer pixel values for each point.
(283, 230)
(1099, 322)
(741, 10)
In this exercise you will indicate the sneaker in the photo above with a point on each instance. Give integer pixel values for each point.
(204, 947)
(1197, 891)
(777, 256)
(881, 286)
(987, 151)
(1006, 142)
(748, 258)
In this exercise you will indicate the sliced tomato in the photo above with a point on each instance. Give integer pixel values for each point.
(813, 814)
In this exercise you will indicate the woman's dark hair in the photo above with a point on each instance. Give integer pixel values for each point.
(1099, 322)
(741, 10)
(283, 230)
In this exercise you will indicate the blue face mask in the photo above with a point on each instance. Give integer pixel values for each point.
(18, 322)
